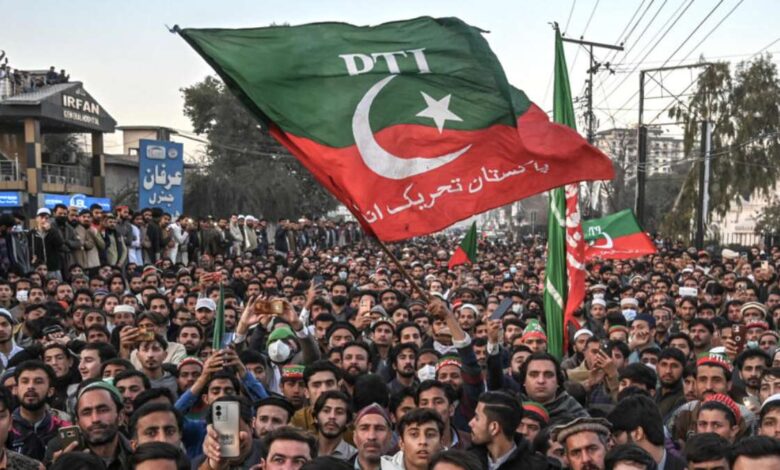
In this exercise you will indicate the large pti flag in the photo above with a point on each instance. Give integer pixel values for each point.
(616, 236)
(411, 124)
(564, 287)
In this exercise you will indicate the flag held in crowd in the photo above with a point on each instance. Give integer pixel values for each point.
(466, 253)
(411, 124)
(616, 236)
(564, 288)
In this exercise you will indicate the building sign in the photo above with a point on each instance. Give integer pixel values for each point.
(10, 199)
(161, 176)
(76, 200)
(80, 108)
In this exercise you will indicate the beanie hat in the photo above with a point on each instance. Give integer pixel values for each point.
(292, 372)
(534, 330)
(373, 409)
(189, 360)
(281, 333)
(536, 411)
(726, 400)
(448, 361)
(102, 385)
(646, 317)
(614, 328)
(714, 359)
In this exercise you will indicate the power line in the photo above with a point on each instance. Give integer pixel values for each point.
(665, 33)
(584, 31)
(622, 39)
(571, 11)
(647, 26)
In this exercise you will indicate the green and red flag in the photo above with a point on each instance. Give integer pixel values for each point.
(616, 236)
(412, 125)
(466, 253)
(564, 287)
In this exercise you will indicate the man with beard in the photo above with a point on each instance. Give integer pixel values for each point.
(98, 411)
(8, 347)
(751, 363)
(332, 415)
(373, 437)
(382, 332)
(671, 395)
(272, 413)
(191, 337)
(403, 359)
(130, 384)
(356, 358)
(701, 332)
(585, 441)
(33, 425)
(496, 444)
(70, 241)
(339, 296)
(151, 355)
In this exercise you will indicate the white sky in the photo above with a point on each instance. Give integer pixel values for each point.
(135, 68)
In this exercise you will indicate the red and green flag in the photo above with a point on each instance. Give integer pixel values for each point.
(616, 236)
(466, 253)
(412, 125)
(564, 287)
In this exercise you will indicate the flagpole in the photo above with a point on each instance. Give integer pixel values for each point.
(404, 273)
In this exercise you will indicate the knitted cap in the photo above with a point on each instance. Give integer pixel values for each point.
(713, 359)
(292, 372)
(726, 400)
(536, 411)
(373, 409)
(448, 361)
(534, 330)
(622, 328)
(757, 324)
(755, 306)
(102, 385)
(598, 425)
(189, 360)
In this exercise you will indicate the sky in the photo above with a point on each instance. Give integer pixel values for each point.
(130, 62)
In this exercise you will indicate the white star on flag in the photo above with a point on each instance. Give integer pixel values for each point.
(438, 110)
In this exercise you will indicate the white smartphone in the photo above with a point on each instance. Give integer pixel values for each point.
(689, 292)
(225, 416)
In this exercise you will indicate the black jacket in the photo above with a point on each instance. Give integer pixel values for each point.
(522, 458)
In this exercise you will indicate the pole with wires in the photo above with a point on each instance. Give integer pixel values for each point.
(704, 184)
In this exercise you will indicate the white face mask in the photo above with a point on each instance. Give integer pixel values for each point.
(629, 314)
(426, 373)
(279, 352)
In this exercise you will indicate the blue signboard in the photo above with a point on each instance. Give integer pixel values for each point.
(10, 199)
(76, 200)
(161, 176)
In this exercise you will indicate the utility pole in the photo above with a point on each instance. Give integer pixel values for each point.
(641, 161)
(590, 117)
(704, 184)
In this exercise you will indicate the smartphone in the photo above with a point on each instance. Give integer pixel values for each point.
(502, 308)
(69, 435)
(738, 336)
(145, 335)
(318, 280)
(225, 416)
(604, 345)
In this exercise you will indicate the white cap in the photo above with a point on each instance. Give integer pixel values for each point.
(629, 301)
(598, 301)
(124, 309)
(771, 398)
(582, 331)
(471, 307)
(205, 302)
(43, 210)
(729, 254)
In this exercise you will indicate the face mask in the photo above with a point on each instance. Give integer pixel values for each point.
(339, 300)
(62, 219)
(426, 373)
(279, 352)
(517, 308)
(752, 344)
(343, 275)
(629, 315)
(513, 270)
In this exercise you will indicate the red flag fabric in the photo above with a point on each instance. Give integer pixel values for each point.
(575, 260)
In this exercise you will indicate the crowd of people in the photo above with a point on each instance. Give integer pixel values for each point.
(335, 360)
(14, 81)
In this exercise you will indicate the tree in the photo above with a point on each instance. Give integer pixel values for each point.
(245, 169)
(744, 108)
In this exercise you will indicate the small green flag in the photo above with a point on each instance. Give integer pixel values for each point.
(466, 253)
(219, 321)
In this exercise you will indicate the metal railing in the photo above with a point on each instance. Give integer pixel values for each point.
(9, 170)
(66, 174)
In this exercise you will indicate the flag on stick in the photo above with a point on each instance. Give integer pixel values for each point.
(219, 320)
(412, 125)
(564, 287)
(616, 236)
(466, 253)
